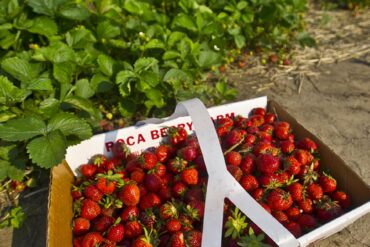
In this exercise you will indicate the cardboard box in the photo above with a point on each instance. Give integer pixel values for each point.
(60, 212)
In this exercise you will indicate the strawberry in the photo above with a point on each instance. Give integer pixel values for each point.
(179, 189)
(294, 228)
(165, 193)
(252, 130)
(342, 198)
(307, 222)
(152, 182)
(91, 192)
(280, 216)
(102, 223)
(193, 238)
(113, 164)
(120, 150)
(99, 160)
(90, 209)
(190, 176)
(233, 137)
(149, 200)
(147, 160)
(307, 144)
(80, 225)
(293, 213)
(302, 156)
(267, 128)
(306, 205)
(148, 218)
(177, 240)
(314, 191)
(273, 58)
(130, 213)
(291, 165)
(199, 162)
(249, 183)
(164, 152)
(176, 165)
(116, 233)
(106, 186)
(235, 171)
(247, 164)
(258, 194)
(92, 239)
(187, 221)
(133, 229)
(198, 206)
(233, 158)
(282, 133)
(194, 193)
(259, 111)
(177, 135)
(77, 241)
(160, 170)
(296, 191)
(173, 225)
(250, 139)
(225, 122)
(270, 181)
(327, 209)
(265, 206)
(270, 118)
(88, 170)
(137, 175)
(287, 147)
(328, 183)
(141, 242)
(268, 164)
(130, 195)
(188, 153)
(278, 199)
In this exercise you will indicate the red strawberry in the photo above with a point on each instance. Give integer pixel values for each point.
(90, 209)
(327, 210)
(249, 183)
(314, 191)
(76, 193)
(165, 193)
(258, 194)
(99, 160)
(93, 193)
(235, 171)
(141, 242)
(259, 111)
(264, 136)
(92, 239)
(225, 122)
(287, 147)
(133, 229)
(160, 170)
(130, 195)
(302, 156)
(307, 144)
(148, 218)
(168, 210)
(173, 225)
(282, 124)
(130, 213)
(137, 175)
(265, 206)
(250, 139)
(199, 162)
(80, 225)
(77, 242)
(278, 199)
(199, 206)
(112, 164)
(296, 191)
(267, 128)
(177, 165)
(88, 170)
(306, 205)
(116, 233)
(233, 158)
(152, 182)
(294, 228)
(106, 186)
(194, 193)
(342, 198)
(291, 165)
(257, 120)
(190, 176)
(179, 189)
(177, 135)
(293, 213)
(328, 183)
(280, 216)
(177, 240)
(268, 164)
(164, 152)
(307, 221)
(193, 238)
(120, 150)
(188, 153)
(270, 118)
(233, 137)
(102, 223)
(149, 200)
(247, 164)
(147, 160)
(270, 181)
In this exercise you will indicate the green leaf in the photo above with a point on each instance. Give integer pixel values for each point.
(144, 64)
(43, 82)
(7, 170)
(49, 107)
(10, 94)
(127, 107)
(239, 41)
(306, 40)
(17, 217)
(184, 21)
(18, 68)
(106, 64)
(208, 58)
(100, 83)
(22, 129)
(154, 44)
(79, 37)
(70, 124)
(63, 72)
(74, 12)
(44, 25)
(134, 7)
(155, 96)
(46, 7)
(49, 150)
(176, 75)
(176, 37)
(58, 52)
(107, 30)
(150, 77)
(6, 116)
(168, 55)
(83, 104)
(83, 89)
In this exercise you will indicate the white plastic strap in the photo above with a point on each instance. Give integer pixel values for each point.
(221, 183)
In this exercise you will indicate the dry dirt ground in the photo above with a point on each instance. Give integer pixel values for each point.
(335, 106)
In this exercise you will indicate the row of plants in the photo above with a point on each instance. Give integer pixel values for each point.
(69, 69)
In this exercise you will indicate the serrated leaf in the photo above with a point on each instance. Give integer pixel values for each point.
(58, 52)
(175, 37)
(154, 44)
(149, 77)
(107, 30)
(70, 124)
(74, 12)
(127, 107)
(155, 96)
(63, 72)
(46, 7)
(100, 83)
(49, 107)
(43, 82)
(10, 94)
(22, 129)
(6, 116)
(144, 64)
(49, 150)
(170, 55)
(184, 21)
(83, 104)
(208, 58)
(7, 170)
(176, 75)
(124, 76)
(106, 64)
(239, 41)
(43, 25)
(17, 67)
(79, 37)
(83, 89)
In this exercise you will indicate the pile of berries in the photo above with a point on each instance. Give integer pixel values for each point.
(156, 198)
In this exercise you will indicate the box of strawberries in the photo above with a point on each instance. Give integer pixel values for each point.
(240, 174)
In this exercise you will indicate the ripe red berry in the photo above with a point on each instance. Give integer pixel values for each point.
(314, 191)
(130, 195)
(173, 225)
(116, 233)
(190, 176)
(249, 183)
(233, 158)
(80, 225)
(268, 164)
